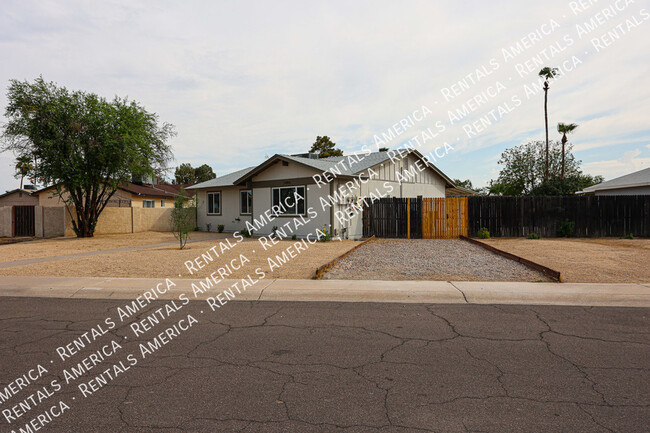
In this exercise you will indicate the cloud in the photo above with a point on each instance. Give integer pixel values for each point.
(629, 162)
(241, 80)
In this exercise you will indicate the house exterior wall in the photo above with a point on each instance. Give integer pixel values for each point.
(5, 222)
(639, 190)
(19, 198)
(278, 171)
(230, 216)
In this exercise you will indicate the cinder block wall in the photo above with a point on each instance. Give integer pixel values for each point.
(128, 220)
(5, 221)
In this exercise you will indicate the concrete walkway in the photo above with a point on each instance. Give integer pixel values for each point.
(427, 292)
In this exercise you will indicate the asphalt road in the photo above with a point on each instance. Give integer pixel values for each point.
(332, 367)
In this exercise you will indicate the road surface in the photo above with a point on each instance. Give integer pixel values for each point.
(322, 367)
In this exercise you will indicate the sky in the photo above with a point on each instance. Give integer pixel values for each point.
(245, 80)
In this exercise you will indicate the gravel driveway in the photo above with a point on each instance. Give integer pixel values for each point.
(428, 259)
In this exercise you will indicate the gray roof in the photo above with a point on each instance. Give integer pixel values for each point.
(638, 178)
(225, 180)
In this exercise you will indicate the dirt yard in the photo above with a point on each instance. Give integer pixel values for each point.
(163, 261)
(73, 245)
(601, 260)
(429, 259)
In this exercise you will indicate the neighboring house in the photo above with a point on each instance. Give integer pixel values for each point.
(246, 195)
(637, 183)
(128, 195)
(18, 197)
(459, 191)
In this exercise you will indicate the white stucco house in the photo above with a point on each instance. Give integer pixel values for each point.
(247, 197)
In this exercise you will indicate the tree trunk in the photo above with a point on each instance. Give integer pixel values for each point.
(546, 125)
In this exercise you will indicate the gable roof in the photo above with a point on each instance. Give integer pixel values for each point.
(638, 178)
(26, 191)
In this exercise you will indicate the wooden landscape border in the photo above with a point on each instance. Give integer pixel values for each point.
(320, 271)
(551, 273)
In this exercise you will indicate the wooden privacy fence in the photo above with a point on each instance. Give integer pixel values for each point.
(418, 218)
(593, 216)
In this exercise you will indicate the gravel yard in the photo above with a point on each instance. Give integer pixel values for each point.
(428, 259)
(580, 260)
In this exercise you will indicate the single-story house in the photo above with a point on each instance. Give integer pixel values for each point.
(248, 195)
(129, 194)
(18, 197)
(637, 183)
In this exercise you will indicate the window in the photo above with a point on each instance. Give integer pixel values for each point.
(290, 200)
(214, 203)
(162, 203)
(148, 203)
(245, 202)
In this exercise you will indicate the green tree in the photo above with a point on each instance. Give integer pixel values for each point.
(548, 74)
(83, 144)
(184, 174)
(467, 184)
(383, 149)
(182, 219)
(24, 167)
(325, 147)
(523, 169)
(203, 173)
(564, 129)
(567, 185)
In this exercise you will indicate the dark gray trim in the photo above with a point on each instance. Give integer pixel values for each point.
(290, 215)
(251, 206)
(208, 201)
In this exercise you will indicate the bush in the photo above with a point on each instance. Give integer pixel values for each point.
(325, 235)
(246, 233)
(220, 228)
(294, 237)
(566, 229)
(534, 236)
(629, 236)
(209, 226)
(182, 219)
(483, 233)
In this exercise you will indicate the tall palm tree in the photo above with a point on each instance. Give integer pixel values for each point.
(564, 129)
(23, 167)
(547, 73)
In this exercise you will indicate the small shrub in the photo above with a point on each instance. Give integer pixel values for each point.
(566, 229)
(245, 233)
(294, 237)
(220, 228)
(275, 231)
(209, 226)
(326, 235)
(483, 233)
(629, 236)
(534, 236)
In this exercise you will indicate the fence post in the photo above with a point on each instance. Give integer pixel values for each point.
(408, 218)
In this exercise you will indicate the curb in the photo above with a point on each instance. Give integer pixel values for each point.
(551, 273)
(320, 271)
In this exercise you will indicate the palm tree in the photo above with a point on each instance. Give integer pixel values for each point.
(564, 129)
(547, 73)
(23, 167)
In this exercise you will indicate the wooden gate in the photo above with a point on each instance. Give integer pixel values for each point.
(444, 218)
(23, 220)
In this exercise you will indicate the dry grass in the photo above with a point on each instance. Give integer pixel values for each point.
(73, 245)
(168, 261)
(600, 260)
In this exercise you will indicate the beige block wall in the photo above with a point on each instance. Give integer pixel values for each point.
(115, 220)
(5, 222)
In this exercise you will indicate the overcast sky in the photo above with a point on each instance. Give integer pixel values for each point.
(241, 80)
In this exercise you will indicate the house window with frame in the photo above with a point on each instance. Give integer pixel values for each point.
(214, 203)
(246, 202)
(148, 203)
(290, 200)
(162, 203)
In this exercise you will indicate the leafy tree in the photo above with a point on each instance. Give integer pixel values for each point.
(24, 167)
(524, 171)
(383, 149)
(325, 147)
(567, 185)
(467, 184)
(203, 173)
(564, 129)
(184, 174)
(83, 144)
(183, 219)
(548, 74)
